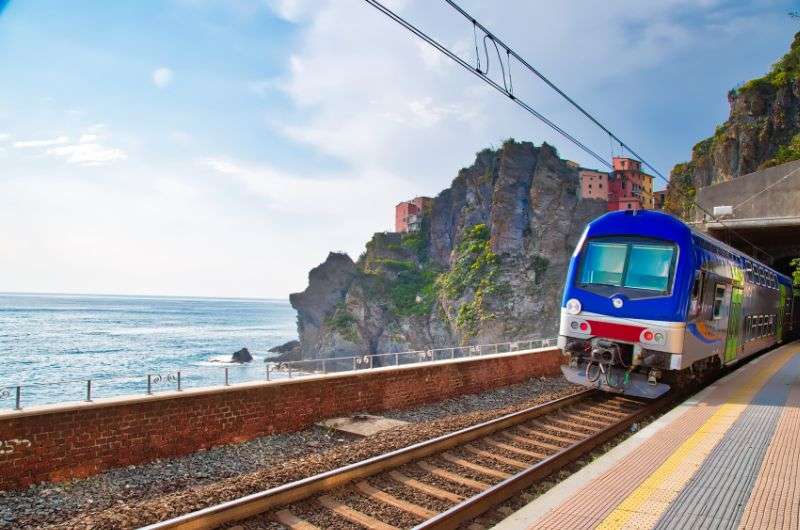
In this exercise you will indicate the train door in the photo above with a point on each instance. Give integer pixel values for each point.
(781, 312)
(720, 312)
(733, 340)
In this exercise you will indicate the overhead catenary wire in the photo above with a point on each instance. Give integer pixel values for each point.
(623, 146)
(504, 89)
(482, 75)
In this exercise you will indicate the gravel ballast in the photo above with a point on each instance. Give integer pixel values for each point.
(138, 495)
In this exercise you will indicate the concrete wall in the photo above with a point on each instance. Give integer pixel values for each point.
(769, 193)
(76, 440)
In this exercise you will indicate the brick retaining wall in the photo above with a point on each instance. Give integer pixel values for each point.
(77, 440)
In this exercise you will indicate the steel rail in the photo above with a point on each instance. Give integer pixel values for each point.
(261, 502)
(482, 502)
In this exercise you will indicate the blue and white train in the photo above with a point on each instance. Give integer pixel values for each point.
(650, 302)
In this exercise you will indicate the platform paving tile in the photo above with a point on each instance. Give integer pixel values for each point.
(716, 495)
(598, 503)
(775, 499)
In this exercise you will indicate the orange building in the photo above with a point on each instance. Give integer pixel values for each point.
(408, 214)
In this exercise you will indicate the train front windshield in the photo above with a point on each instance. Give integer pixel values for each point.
(640, 265)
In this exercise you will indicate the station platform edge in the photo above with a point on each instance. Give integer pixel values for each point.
(728, 457)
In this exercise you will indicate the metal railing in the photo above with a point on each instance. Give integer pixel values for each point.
(152, 383)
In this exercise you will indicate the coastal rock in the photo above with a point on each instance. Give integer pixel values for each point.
(762, 130)
(487, 265)
(241, 356)
(289, 351)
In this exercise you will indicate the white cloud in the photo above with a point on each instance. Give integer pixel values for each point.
(162, 77)
(291, 10)
(322, 196)
(88, 154)
(4, 137)
(27, 144)
(379, 99)
(88, 138)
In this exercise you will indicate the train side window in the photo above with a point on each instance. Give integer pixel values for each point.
(697, 289)
(719, 296)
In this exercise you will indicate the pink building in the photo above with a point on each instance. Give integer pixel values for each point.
(629, 187)
(594, 184)
(408, 214)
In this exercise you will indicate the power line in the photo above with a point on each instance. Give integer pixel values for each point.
(503, 89)
(507, 90)
(586, 113)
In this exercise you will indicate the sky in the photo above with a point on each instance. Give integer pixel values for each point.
(224, 147)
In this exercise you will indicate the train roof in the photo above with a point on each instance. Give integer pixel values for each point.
(621, 219)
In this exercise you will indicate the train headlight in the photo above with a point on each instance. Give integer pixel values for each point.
(573, 306)
(648, 335)
(659, 338)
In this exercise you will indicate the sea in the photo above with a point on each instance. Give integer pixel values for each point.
(52, 345)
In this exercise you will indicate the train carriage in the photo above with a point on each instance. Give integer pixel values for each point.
(649, 301)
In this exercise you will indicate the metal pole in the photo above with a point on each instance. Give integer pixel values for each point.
(19, 398)
(88, 390)
(354, 363)
(267, 372)
(179, 380)
(290, 371)
(226, 377)
(397, 359)
(149, 384)
(324, 367)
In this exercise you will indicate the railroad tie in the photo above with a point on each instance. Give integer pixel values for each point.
(563, 435)
(453, 477)
(516, 450)
(353, 515)
(433, 491)
(531, 441)
(491, 472)
(290, 520)
(595, 425)
(386, 498)
(486, 454)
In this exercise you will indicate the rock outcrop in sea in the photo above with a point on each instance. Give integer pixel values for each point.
(763, 130)
(241, 356)
(487, 265)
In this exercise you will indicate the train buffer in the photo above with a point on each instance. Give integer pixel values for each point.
(726, 458)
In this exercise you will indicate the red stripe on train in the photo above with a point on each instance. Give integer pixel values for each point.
(609, 330)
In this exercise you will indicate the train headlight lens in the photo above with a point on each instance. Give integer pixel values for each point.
(573, 324)
(573, 306)
(584, 326)
(648, 335)
(660, 338)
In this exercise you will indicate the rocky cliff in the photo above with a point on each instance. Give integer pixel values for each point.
(762, 130)
(487, 265)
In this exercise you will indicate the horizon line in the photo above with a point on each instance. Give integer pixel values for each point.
(117, 295)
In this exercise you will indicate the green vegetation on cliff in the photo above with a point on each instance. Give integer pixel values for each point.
(786, 153)
(787, 69)
(343, 322)
(476, 268)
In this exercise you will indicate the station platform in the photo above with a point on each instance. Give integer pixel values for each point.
(729, 457)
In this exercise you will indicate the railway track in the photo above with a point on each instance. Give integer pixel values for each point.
(440, 483)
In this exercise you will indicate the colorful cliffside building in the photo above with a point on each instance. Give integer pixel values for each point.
(626, 188)
(408, 214)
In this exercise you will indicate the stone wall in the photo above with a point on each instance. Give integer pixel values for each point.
(60, 442)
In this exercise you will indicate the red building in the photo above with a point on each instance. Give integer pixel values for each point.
(408, 214)
(629, 188)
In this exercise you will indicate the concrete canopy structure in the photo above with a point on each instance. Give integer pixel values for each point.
(765, 211)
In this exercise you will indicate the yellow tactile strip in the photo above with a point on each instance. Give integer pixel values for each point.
(598, 499)
(775, 500)
(645, 505)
